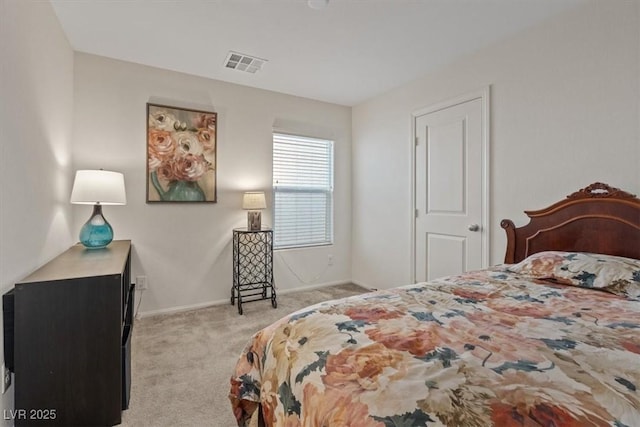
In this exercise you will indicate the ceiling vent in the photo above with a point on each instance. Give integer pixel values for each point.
(242, 62)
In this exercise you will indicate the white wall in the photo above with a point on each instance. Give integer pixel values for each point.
(185, 250)
(564, 112)
(36, 110)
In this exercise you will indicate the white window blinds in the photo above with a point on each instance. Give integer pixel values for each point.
(303, 191)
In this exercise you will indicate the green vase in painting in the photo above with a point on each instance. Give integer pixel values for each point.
(178, 191)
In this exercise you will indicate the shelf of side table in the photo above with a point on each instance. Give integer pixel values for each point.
(252, 267)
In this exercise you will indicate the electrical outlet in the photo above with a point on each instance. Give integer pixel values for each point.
(329, 259)
(141, 282)
(6, 378)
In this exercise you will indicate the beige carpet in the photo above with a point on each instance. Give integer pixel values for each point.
(181, 363)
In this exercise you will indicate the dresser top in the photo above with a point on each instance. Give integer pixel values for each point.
(79, 261)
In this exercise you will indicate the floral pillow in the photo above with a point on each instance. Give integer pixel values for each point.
(618, 275)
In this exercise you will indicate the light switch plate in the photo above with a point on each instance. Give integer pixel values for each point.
(141, 283)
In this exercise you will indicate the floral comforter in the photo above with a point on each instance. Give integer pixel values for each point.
(485, 348)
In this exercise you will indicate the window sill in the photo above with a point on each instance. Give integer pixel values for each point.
(315, 245)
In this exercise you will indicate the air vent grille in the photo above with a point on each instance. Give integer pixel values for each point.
(243, 62)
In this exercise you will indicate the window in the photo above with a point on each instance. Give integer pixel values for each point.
(303, 191)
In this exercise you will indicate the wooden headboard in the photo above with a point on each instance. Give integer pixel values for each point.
(597, 219)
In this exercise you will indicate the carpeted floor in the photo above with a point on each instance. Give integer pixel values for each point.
(181, 363)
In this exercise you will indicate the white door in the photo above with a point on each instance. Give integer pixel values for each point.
(450, 190)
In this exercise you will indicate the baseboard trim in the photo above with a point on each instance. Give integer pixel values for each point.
(364, 285)
(182, 308)
(312, 287)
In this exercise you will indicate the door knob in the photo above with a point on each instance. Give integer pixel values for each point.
(474, 227)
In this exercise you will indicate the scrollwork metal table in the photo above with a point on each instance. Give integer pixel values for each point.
(252, 266)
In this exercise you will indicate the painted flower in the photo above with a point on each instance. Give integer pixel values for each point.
(206, 139)
(189, 167)
(165, 171)
(161, 147)
(203, 120)
(154, 163)
(187, 143)
(161, 120)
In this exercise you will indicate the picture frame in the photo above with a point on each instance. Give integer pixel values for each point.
(181, 155)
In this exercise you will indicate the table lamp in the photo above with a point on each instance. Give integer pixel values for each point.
(254, 201)
(97, 188)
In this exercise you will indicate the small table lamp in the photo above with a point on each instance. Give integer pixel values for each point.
(254, 201)
(97, 188)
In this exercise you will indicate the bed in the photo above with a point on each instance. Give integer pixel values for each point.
(551, 337)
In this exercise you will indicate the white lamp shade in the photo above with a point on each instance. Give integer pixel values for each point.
(254, 200)
(98, 186)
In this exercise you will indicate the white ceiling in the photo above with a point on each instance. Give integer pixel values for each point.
(346, 53)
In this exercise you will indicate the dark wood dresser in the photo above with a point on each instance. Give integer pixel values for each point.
(72, 352)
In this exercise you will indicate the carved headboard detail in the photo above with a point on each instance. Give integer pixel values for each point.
(598, 189)
(598, 218)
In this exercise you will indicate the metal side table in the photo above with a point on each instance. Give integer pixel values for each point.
(252, 266)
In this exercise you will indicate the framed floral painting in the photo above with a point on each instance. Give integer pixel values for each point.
(181, 155)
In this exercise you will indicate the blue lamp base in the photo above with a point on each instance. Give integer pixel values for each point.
(97, 232)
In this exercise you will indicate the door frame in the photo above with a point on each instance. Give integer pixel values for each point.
(484, 95)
